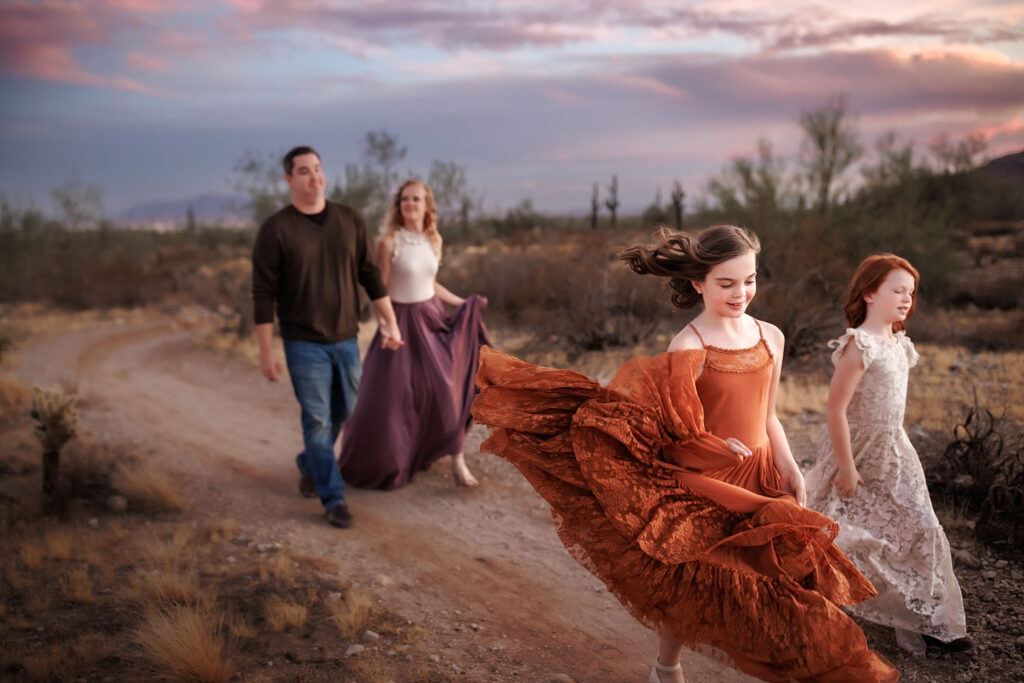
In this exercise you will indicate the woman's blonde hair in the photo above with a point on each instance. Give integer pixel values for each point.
(393, 219)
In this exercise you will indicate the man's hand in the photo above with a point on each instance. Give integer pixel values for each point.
(270, 366)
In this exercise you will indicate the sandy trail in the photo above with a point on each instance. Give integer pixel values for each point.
(442, 557)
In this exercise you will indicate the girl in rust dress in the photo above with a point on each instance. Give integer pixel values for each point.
(676, 487)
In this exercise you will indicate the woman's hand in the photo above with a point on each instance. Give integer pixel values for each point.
(847, 481)
(793, 482)
(737, 447)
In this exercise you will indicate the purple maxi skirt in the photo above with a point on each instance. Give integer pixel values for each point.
(414, 403)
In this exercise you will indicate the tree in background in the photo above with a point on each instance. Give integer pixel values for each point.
(958, 157)
(261, 178)
(655, 213)
(455, 200)
(613, 197)
(829, 148)
(367, 186)
(80, 204)
(752, 190)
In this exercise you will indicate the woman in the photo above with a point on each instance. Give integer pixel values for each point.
(414, 403)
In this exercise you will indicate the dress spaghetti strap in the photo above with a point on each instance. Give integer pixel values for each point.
(759, 330)
(698, 335)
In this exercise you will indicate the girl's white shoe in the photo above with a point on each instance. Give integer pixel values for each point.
(658, 666)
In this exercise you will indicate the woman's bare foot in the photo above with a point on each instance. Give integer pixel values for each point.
(463, 477)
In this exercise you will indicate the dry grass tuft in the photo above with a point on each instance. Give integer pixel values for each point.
(60, 544)
(53, 664)
(351, 613)
(13, 397)
(148, 487)
(279, 566)
(38, 602)
(156, 588)
(78, 586)
(373, 667)
(800, 395)
(32, 554)
(239, 625)
(223, 529)
(186, 643)
(282, 614)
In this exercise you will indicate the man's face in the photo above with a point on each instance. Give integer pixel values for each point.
(307, 179)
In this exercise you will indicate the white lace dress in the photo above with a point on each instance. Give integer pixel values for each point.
(888, 528)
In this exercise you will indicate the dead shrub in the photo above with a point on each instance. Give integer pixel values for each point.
(282, 614)
(982, 470)
(186, 643)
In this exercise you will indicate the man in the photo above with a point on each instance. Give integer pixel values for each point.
(307, 259)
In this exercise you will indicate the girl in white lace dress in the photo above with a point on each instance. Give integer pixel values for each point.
(868, 477)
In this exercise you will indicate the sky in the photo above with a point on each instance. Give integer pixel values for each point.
(537, 99)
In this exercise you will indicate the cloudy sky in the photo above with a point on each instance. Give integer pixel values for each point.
(158, 99)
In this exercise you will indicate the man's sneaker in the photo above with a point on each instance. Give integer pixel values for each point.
(339, 516)
(307, 487)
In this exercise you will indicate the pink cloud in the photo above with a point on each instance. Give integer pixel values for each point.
(137, 61)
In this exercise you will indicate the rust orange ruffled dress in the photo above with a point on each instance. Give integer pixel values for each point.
(647, 496)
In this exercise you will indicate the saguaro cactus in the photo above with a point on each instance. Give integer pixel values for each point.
(613, 197)
(57, 416)
(678, 196)
(595, 206)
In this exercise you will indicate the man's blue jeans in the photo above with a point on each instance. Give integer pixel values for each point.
(325, 378)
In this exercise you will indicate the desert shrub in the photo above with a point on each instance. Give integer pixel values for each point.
(976, 330)
(982, 471)
(107, 267)
(569, 289)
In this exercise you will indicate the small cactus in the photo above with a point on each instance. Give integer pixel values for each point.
(678, 196)
(613, 198)
(57, 416)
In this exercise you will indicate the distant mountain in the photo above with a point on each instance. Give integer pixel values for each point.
(1010, 167)
(209, 208)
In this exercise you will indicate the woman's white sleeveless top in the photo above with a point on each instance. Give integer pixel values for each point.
(413, 268)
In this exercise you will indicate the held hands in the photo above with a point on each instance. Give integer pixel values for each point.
(391, 337)
(270, 366)
(847, 481)
(737, 447)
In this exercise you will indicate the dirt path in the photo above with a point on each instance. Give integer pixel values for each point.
(442, 557)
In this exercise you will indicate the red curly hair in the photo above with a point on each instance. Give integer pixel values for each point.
(869, 277)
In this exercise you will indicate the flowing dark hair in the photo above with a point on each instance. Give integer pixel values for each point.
(869, 277)
(685, 258)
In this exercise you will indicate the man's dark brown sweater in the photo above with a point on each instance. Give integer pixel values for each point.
(311, 271)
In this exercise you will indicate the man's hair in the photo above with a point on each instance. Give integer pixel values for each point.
(289, 159)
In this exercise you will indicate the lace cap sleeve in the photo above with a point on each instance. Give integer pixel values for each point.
(908, 348)
(864, 341)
